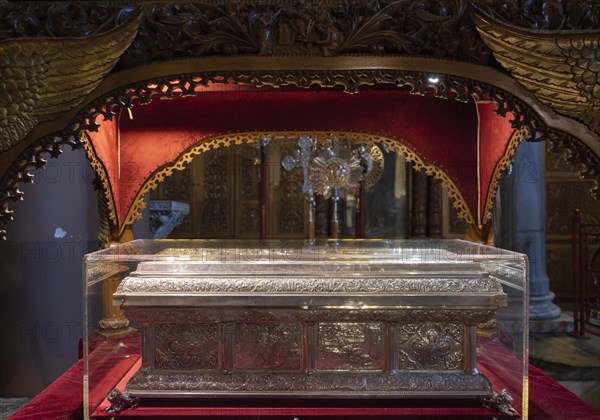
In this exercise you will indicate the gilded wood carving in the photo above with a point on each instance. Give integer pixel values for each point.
(213, 27)
(41, 78)
(101, 41)
(561, 68)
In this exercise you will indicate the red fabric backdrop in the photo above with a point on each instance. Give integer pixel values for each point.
(495, 134)
(442, 132)
(105, 146)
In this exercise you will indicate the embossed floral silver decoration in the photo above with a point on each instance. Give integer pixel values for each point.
(333, 169)
(336, 170)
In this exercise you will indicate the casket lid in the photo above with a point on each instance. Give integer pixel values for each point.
(357, 274)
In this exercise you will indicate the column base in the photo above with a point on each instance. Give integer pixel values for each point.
(541, 307)
(564, 324)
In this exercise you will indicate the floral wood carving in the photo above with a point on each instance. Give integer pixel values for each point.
(432, 28)
(576, 153)
(42, 78)
(215, 212)
(575, 15)
(30, 19)
(214, 27)
(193, 29)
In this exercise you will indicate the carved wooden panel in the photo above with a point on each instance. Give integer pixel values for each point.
(418, 220)
(386, 202)
(563, 197)
(322, 217)
(288, 201)
(216, 187)
(565, 192)
(431, 213)
(222, 188)
(452, 226)
(434, 212)
(247, 178)
(248, 225)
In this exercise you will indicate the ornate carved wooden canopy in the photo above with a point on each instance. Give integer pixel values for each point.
(62, 65)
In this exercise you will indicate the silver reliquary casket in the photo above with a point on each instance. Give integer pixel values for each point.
(324, 319)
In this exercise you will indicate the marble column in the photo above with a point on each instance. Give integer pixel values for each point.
(522, 224)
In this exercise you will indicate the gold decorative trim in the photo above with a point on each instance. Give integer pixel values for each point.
(501, 166)
(378, 166)
(479, 223)
(226, 140)
(99, 168)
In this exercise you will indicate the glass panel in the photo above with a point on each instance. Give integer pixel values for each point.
(221, 187)
(408, 306)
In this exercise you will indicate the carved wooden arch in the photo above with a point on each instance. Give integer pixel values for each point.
(460, 81)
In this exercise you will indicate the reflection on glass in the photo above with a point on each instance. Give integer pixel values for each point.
(221, 187)
(386, 202)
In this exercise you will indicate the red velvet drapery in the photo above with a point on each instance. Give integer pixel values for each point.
(464, 140)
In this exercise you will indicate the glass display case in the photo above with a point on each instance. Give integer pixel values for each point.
(304, 320)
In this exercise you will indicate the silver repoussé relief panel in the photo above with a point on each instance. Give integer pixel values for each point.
(351, 346)
(186, 346)
(268, 346)
(430, 346)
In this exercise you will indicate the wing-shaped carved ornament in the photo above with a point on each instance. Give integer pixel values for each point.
(562, 68)
(41, 78)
